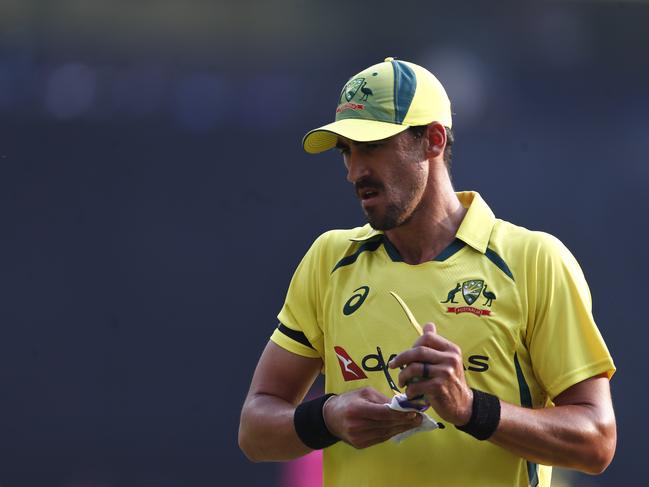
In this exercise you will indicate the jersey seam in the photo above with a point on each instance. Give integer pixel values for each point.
(568, 379)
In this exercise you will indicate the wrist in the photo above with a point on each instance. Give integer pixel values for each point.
(465, 416)
(310, 425)
(327, 408)
(485, 416)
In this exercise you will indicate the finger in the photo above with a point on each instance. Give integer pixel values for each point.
(433, 340)
(383, 414)
(373, 396)
(400, 429)
(429, 331)
(420, 388)
(371, 439)
(401, 419)
(419, 353)
(371, 434)
(416, 371)
(392, 430)
(393, 416)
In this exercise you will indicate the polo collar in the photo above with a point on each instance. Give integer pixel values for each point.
(478, 223)
(475, 229)
(367, 232)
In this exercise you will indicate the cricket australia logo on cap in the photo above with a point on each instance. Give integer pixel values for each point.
(471, 291)
(351, 88)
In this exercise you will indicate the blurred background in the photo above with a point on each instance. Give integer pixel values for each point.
(155, 201)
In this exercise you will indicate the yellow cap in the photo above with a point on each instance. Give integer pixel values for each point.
(381, 101)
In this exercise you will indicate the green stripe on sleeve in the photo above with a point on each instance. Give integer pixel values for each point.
(526, 401)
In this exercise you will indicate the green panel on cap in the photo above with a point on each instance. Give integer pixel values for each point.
(405, 84)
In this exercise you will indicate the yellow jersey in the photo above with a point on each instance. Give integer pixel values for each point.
(515, 301)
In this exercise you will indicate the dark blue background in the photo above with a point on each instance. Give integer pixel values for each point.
(155, 200)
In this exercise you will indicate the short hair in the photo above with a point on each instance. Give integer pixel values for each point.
(417, 131)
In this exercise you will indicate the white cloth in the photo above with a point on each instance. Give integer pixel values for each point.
(400, 403)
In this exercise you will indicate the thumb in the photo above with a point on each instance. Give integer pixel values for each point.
(430, 328)
(372, 395)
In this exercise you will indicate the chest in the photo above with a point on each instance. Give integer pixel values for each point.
(471, 301)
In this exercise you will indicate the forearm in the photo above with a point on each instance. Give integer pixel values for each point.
(266, 430)
(578, 436)
(579, 432)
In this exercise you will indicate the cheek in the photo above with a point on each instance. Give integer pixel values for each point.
(420, 176)
(418, 189)
(406, 189)
(414, 181)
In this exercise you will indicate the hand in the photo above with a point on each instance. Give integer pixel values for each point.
(434, 368)
(362, 419)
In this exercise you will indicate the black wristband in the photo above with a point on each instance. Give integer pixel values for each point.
(310, 425)
(485, 415)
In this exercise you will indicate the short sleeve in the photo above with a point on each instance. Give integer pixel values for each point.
(565, 344)
(300, 328)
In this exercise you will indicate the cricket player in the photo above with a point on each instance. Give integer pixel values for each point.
(509, 360)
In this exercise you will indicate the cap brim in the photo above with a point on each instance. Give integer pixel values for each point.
(356, 129)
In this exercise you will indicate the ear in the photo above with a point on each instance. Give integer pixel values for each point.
(435, 140)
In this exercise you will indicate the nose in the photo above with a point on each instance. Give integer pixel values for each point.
(356, 164)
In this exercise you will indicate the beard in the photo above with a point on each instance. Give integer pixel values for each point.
(402, 200)
(393, 216)
(397, 212)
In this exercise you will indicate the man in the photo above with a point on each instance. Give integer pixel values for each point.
(514, 368)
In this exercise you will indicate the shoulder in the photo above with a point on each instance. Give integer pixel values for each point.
(334, 240)
(520, 239)
(531, 251)
(332, 245)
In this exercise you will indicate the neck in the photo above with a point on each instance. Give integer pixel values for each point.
(434, 223)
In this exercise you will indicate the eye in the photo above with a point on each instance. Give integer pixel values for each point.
(342, 150)
(371, 146)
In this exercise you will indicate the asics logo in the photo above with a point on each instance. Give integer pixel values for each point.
(356, 301)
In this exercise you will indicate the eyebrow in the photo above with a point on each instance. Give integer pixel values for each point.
(341, 145)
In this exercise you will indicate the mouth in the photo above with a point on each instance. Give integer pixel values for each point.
(370, 199)
(369, 191)
(368, 194)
